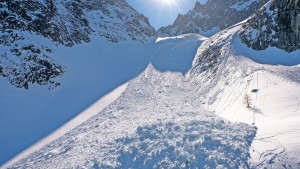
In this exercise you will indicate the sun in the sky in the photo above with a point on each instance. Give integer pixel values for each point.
(168, 2)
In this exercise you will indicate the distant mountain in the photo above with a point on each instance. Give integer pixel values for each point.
(277, 24)
(24, 25)
(211, 17)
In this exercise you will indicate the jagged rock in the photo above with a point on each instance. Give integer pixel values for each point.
(64, 22)
(69, 22)
(276, 25)
(215, 14)
(24, 62)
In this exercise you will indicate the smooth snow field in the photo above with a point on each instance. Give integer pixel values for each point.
(183, 106)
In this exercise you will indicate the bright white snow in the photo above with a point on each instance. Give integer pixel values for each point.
(166, 119)
(273, 91)
(156, 123)
(76, 121)
(93, 70)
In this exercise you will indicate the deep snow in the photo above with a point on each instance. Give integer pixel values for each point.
(157, 122)
(272, 88)
(93, 70)
(167, 118)
(70, 125)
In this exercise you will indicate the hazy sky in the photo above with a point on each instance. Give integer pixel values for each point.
(162, 12)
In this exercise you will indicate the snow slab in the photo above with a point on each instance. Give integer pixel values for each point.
(176, 53)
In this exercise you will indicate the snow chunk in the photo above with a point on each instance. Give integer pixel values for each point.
(205, 143)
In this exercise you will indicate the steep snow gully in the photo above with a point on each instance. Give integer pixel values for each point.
(173, 115)
(90, 76)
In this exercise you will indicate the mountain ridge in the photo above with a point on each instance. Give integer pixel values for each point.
(211, 17)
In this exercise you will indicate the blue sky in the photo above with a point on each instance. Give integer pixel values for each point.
(161, 13)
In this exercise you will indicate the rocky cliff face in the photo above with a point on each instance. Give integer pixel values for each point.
(277, 24)
(24, 61)
(73, 21)
(214, 14)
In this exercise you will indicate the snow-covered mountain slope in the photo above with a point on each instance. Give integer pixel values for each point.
(70, 22)
(94, 69)
(153, 102)
(87, 48)
(108, 66)
(229, 76)
(277, 24)
(169, 116)
(24, 57)
(211, 17)
(70, 125)
(156, 123)
(173, 120)
(26, 60)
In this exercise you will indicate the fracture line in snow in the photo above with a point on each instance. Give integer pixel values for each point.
(76, 121)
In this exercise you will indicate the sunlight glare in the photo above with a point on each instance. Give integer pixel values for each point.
(168, 2)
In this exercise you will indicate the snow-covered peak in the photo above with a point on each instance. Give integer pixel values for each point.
(116, 21)
(69, 22)
(211, 17)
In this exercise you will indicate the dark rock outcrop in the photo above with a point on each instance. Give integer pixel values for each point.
(25, 61)
(276, 25)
